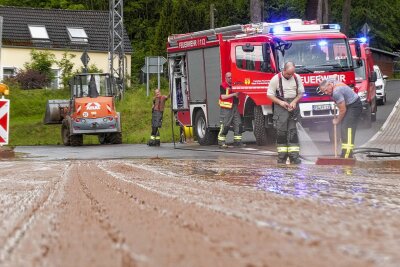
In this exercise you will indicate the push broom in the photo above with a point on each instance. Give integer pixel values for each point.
(335, 160)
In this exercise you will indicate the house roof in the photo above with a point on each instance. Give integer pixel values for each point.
(16, 32)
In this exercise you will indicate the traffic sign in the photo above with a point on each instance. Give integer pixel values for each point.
(365, 29)
(4, 120)
(153, 69)
(155, 61)
(85, 58)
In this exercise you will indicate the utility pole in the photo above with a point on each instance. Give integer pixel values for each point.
(212, 9)
(116, 53)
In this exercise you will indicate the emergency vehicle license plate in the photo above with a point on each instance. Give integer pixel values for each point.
(321, 107)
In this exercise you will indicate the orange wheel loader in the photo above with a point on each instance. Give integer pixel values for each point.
(90, 110)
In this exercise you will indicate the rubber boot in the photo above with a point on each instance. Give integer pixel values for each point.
(282, 157)
(294, 158)
(222, 144)
(343, 154)
(238, 144)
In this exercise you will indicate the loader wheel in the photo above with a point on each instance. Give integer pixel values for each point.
(76, 140)
(104, 139)
(65, 134)
(115, 138)
(260, 131)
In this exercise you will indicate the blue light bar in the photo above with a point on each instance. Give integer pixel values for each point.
(362, 40)
(279, 29)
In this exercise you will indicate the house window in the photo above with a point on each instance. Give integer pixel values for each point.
(55, 83)
(77, 34)
(38, 32)
(9, 72)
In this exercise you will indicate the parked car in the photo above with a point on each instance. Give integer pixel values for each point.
(380, 85)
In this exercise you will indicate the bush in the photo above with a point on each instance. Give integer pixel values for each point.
(41, 62)
(31, 79)
(11, 82)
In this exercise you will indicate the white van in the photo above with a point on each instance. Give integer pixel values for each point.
(380, 85)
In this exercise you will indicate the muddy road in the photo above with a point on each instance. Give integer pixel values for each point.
(219, 212)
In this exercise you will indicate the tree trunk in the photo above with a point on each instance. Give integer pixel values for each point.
(326, 12)
(319, 11)
(346, 16)
(311, 9)
(256, 8)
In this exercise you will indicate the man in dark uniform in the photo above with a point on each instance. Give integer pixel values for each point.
(157, 116)
(229, 113)
(285, 90)
(350, 109)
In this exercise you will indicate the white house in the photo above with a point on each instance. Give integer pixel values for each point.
(56, 31)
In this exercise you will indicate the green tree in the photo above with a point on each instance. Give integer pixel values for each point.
(66, 66)
(41, 61)
(278, 10)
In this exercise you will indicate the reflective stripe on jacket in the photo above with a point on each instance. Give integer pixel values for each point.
(226, 103)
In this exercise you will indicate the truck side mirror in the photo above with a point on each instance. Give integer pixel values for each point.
(385, 77)
(372, 76)
(266, 53)
(248, 48)
(357, 48)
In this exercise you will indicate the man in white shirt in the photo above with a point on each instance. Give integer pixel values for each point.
(286, 90)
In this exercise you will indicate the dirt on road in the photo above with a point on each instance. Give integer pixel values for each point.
(158, 212)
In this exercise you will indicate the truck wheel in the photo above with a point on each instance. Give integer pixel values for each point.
(259, 130)
(103, 139)
(76, 140)
(204, 135)
(374, 108)
(65, 134)
(373, 117)
(115, 138)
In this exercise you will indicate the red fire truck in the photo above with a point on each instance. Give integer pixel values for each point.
(365, 81)
(253, 53)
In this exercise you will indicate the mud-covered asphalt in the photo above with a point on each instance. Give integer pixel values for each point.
(219, 212)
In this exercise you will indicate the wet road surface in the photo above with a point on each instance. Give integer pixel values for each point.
(219, 212)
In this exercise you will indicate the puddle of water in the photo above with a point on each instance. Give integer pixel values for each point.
(338, 185)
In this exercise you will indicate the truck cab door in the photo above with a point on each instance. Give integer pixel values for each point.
(252, 68)
(251, 60)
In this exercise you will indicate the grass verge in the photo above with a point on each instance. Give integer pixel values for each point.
(28, 110)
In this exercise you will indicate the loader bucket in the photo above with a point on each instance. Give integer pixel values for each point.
(54, 112)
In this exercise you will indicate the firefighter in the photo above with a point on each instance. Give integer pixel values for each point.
(157, 116)
(285, 90)
(350, 109)
(229, 114)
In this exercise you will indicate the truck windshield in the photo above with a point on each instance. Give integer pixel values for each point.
(360, 72)
(318, 55)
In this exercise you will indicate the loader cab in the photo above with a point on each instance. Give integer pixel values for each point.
(91, 85)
